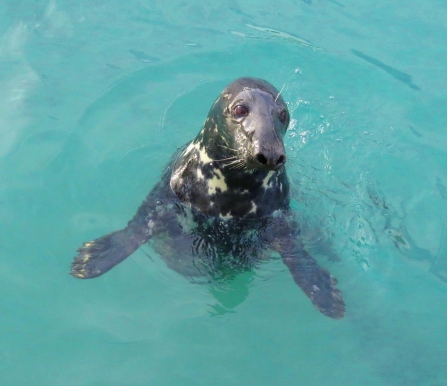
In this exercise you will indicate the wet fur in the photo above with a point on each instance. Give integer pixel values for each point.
(223, 202)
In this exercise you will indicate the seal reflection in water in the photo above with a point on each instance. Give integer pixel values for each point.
(223, 202)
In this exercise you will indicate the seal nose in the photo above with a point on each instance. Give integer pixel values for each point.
(273, 162)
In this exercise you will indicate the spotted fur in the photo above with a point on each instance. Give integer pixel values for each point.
(223, 202)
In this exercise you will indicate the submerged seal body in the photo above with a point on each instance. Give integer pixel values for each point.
(223, 202)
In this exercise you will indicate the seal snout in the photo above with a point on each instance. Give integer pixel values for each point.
(271, 162)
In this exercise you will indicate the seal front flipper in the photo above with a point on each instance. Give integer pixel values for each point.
(316, 282)
(99, 256)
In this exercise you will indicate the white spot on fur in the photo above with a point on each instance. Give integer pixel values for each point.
(253, 207)
(217, 182)
(267, 182)
(176, 176)
(190, 147)
(203, 155)
(150, 227)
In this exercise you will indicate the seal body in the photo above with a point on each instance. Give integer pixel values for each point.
(222, 204)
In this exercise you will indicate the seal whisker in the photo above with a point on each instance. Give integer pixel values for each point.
(240, 165)
(234, 167)
(229, 148)
(236, 162)
(290, 162)
(282, 88)
(234, 157)
(226, 141)
(248, 91)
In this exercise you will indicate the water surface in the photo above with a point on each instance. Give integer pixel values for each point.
(95, 96)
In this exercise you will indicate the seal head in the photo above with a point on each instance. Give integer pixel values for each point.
(238, 155)
(251, 117)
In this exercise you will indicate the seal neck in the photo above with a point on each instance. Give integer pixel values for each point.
(214, 188)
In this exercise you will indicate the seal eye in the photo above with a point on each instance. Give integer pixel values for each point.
(283, 116)
(240, 111)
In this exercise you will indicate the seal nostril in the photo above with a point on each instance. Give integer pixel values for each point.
(261, 158)
(281, 160)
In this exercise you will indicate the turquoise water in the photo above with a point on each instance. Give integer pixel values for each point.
(94, 98)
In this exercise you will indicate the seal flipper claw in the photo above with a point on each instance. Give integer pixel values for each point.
(316, 282)
(99, 256)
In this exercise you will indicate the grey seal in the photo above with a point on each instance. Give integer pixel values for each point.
(223, 202)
